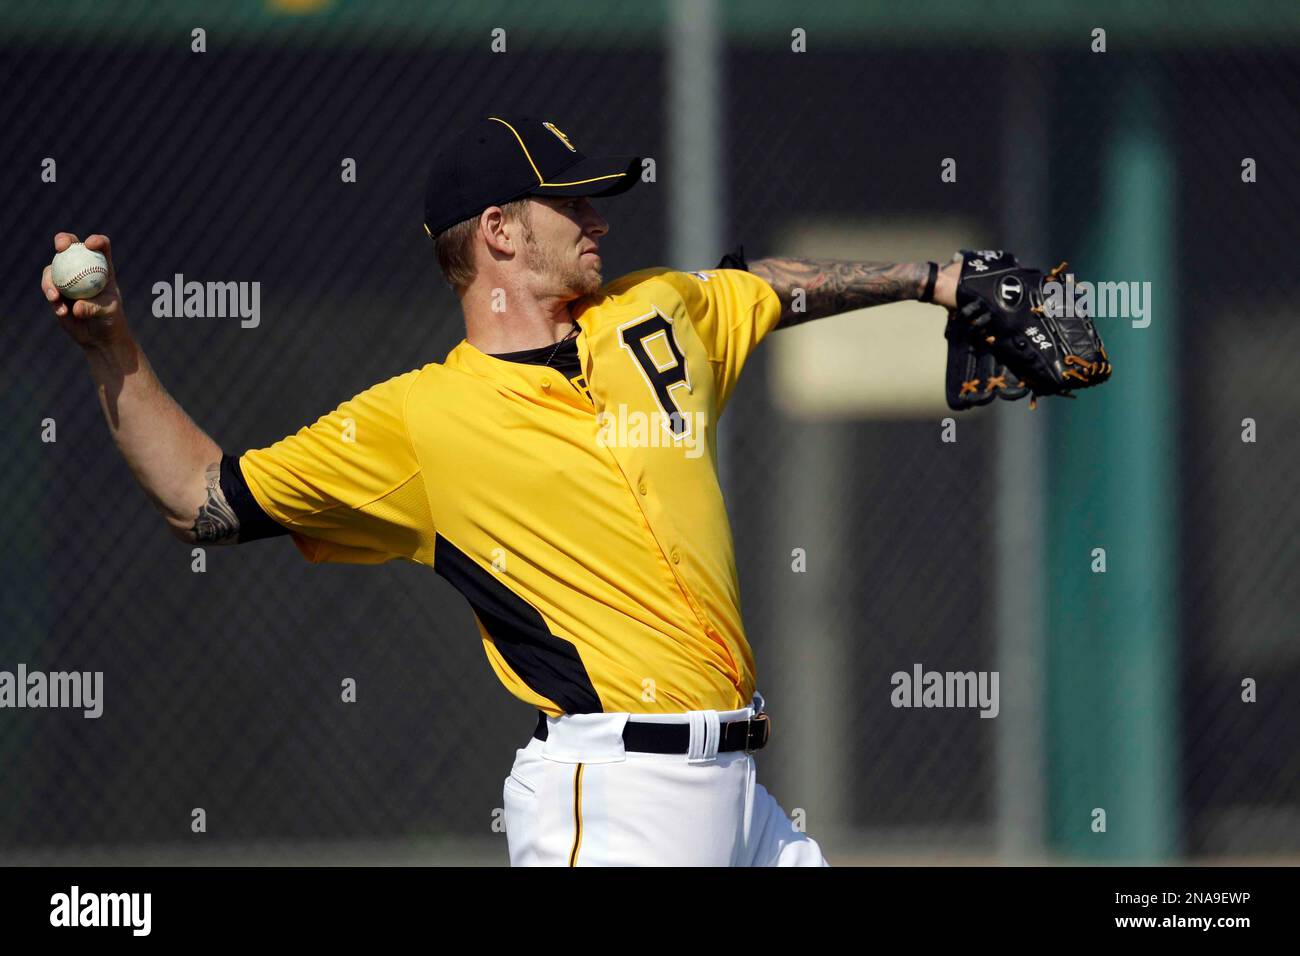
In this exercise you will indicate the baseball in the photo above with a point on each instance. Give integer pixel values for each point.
(78, 272)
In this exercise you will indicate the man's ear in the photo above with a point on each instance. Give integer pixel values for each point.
(496, 231)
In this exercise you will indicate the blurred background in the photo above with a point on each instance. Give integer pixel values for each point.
(795, 129)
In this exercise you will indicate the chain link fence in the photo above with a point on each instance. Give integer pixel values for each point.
(221, 688)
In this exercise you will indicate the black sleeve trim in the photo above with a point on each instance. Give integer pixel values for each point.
(734, 260)
(254, 523)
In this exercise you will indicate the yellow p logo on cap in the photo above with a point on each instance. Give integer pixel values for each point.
(560, 135)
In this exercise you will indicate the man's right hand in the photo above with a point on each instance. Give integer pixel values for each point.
(176, 463)
(95, 323)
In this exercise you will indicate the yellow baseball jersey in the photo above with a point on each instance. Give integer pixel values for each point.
(582, 518)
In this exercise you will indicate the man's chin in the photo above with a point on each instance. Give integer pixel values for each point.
(588, 282)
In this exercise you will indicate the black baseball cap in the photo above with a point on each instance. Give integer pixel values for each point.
(501, 159)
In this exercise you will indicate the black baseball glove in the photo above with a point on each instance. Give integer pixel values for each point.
(1003, 343)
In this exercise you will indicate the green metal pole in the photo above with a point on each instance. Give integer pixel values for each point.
(1111, 638)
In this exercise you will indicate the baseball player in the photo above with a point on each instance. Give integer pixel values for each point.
(558, 468)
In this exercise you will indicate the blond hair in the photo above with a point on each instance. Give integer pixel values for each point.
(455, 244)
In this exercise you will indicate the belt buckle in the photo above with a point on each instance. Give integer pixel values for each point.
(766, 727)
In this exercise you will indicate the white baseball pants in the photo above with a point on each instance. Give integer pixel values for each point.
(579, 799)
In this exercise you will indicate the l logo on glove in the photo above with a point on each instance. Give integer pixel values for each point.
(1010, 291)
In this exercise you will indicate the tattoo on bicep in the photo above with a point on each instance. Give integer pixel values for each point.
(832, 286)
(215, 522)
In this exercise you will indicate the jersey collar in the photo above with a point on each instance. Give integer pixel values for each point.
(534, 381)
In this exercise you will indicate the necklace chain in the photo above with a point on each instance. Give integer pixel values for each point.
(567, 335)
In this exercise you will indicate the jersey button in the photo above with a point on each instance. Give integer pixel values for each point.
(641, 487)
(546, 383)
(677, 558)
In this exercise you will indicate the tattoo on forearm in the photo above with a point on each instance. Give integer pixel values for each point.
(832, 286)
(215, 522)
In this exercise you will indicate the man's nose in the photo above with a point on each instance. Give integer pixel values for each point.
(594, 222)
